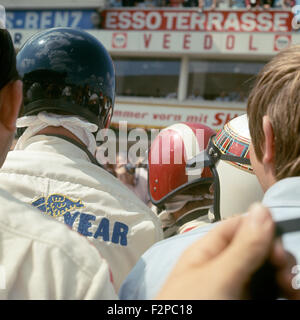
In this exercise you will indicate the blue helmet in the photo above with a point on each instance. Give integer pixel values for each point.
(67, 71)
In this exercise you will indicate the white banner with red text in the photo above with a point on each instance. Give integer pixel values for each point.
(160, 115)
(195, 43)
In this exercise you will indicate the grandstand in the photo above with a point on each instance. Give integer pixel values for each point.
(174, 63)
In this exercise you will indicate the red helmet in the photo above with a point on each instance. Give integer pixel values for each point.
(167, 158)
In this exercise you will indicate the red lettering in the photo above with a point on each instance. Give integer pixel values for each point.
(222, 119)
(221, 21)
(138, 20)
(128, 114)
(230, 117)
(118, 113)
(124, 20)
(139, 115)
(251, 47)
(218, 118)
(111, 20)
(147, 39)
(193, 119)
(208, 42)
(230, 42)
(186, 41)
(166, 41)
(164, 116)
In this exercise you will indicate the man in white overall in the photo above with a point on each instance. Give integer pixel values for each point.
(39, 258)
(53, 166)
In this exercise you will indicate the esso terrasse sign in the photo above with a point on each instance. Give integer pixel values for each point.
(191, 20)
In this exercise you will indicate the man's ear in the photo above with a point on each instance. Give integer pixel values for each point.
(269, 147)
(10, 104)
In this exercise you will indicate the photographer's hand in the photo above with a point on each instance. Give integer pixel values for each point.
(220, 265)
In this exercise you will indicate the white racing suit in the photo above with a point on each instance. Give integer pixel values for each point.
(59, 179)
(43, 259)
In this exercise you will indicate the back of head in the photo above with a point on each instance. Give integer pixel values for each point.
(67, 71)
(276, 94)
(239, 187)
(10, 89)
(8, 70)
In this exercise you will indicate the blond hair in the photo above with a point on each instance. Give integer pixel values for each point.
(276, 93)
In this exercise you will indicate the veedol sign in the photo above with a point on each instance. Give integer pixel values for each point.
(184, 42)
(202, 42)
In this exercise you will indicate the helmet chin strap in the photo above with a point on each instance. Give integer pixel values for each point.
(179, 201)
(189, 217)
(171, 226)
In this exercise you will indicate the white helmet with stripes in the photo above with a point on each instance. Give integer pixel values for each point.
(227, 154)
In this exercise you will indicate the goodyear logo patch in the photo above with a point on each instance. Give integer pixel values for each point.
(57, 205)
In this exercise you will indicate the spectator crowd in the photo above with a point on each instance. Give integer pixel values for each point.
(207, 4)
